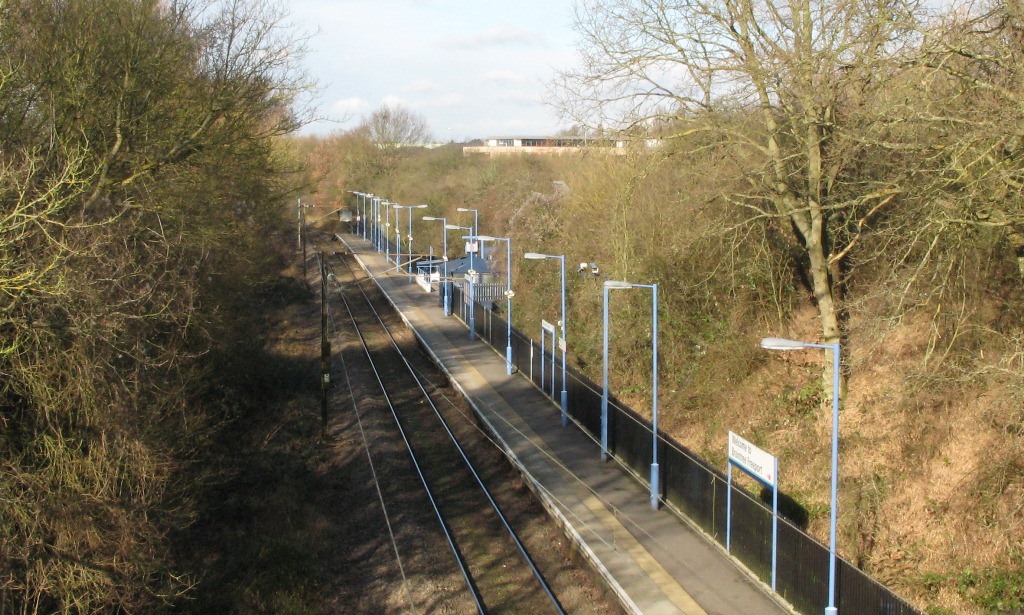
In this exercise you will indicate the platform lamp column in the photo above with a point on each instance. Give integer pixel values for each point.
(476, 218)
(368, 201)
(356, 207)
(565, 393)
(398, 239)
(775, 343)
(655, 479)
(387, 230)
(471, 272)
(366, 215)
(476, 228)
(381, 205)
(409, 238)
(375, 229)
(443, 286)
(508, 297)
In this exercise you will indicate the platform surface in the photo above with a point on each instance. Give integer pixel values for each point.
(653, 561)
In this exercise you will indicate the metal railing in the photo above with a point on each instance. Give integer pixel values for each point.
(694, 488)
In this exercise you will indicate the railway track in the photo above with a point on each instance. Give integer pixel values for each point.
(426, 480)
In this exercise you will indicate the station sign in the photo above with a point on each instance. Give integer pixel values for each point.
(758, 463)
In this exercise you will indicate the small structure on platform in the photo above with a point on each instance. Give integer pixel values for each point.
(488, 287)
(428, 273)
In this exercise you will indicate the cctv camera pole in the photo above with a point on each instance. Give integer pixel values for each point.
(325, 345)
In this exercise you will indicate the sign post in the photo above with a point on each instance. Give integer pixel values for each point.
(762, 467)
(546, 326)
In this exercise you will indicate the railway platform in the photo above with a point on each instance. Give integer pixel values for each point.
(652, 561)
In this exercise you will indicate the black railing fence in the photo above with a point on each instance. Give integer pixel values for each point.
(692, 486)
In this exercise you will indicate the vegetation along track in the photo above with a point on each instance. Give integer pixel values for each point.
(465, 501)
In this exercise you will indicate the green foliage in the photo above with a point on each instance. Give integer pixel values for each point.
(994, 590)
(803, 400)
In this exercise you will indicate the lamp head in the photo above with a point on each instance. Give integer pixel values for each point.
(778, 343)
(617, 284)
(535, 256)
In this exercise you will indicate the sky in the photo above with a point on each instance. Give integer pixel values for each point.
(471, 68)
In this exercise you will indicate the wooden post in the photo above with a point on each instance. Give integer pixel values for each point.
(325, 345)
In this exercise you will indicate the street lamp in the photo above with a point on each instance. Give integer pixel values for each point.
(375, 229)
(476, 217)
(358, 218)
(444, 279)
(365, 195)
(383, 206)
(409, 236)
(508, 295)
(565, 393)
(387, 230)
(361, 214)
(777, 343)
(374, 218)
(611, 285)
(472, 230)
(471, 272)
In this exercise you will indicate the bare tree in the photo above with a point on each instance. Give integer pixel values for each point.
(779, 87)
(970, 110)
(392, 128)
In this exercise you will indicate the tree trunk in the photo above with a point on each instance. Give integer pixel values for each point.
(822, 285)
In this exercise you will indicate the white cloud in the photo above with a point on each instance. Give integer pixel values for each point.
(502, 77)
(491, 37)
(349, 106)
(423, 86)
(518, 97)
(393, 101)
(452, 99)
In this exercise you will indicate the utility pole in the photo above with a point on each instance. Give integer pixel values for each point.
(325, 345)
(302, 237)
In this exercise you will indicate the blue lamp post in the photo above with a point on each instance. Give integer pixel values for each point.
(398, 238)
(371, 219)
(407, 237)
(610, 285)
(365, 218)
(472, 273)
(358, 218)
(476, 218)
(387, 231)
(444, 258)
(508, 296)
(360, 213)
(565, 393)
(384, 235)
(475, 231)
(375, 231)
(775, 343)
(473, 234)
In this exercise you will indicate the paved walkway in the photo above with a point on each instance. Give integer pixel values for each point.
(654, 562)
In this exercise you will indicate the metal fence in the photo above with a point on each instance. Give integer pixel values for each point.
(695, 488)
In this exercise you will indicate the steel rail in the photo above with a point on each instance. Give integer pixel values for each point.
(469, 464)
(459, 558)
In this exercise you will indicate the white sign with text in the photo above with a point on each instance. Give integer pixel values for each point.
(755, 461)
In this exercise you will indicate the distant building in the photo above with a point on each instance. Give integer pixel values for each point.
(549, 146)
